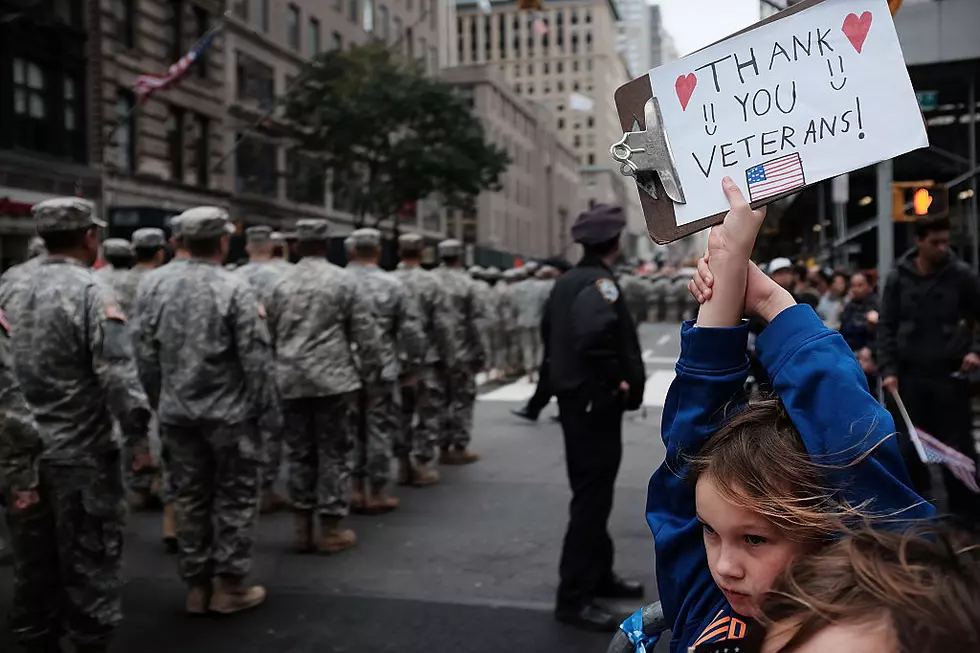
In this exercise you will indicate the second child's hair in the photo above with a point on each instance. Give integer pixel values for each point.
(758, 462)
(924, 583)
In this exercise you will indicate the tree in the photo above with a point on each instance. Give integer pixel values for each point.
(390, 135)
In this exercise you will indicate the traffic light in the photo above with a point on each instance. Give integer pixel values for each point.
(912, 200)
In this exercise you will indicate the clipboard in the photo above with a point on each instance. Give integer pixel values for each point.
(636, 107)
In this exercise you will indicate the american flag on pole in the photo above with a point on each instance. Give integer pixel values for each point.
(775, 177)
(146, 84)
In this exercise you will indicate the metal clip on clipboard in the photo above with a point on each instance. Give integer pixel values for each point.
(644, 155)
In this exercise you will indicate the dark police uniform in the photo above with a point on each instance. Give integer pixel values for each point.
(593, 349)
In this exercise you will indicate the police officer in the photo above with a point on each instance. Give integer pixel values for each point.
(596, 372)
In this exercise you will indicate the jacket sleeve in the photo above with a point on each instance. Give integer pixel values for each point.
(826, 395)
(708, 387)
(888, 321)
(20, 444)
(147, 352)
(114, 364)
(254, 348)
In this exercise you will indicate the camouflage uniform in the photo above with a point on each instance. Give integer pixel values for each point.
(13, 281)
(424, 403)
(316, 318)
(513, 292)
(263, 275)
(460, 381)
(402, 345)
(204, 359)
(73, 359)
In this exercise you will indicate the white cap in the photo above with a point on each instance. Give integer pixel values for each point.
(778, 264)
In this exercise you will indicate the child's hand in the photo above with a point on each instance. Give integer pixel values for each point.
(764, 298)
(701, 283)
(735, 237)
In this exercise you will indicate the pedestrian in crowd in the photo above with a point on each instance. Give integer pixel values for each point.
(262, 272)
(487, 302)
(748, 486)
(318, 319)
(401, 349)
(859, 324)
(597, 373)
(927, 348)
(831, 303)
(494, 342)
(206, 363)
(528, 306)
(72, 353)
(424, 396)
(542, 391)
(14, 277)
(510, 311)
(805, 290)
(118, 255)
(460, 380)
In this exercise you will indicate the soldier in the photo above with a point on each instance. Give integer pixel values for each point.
(16, 276)
(72, 354)
(491, 277)
(262, 271)
(527, 293)
(280, 250)
(205, 362)
(118, 255)
(460, 381)
(317, 317)
(488, 316)
(425, 398)
(402, 347)
(515, 352)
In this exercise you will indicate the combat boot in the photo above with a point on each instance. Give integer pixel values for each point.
(466, 457)
(405, 470)
(333, 537)
(378, 501)
(169, 529)
(233, 595)
(447, 456)
(423, 476)
(272, 501)
(303, 530)
(198, 598)
(357, 495)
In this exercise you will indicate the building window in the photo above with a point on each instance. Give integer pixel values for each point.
(592, 159)
(410, 42)
(588, 15)
(517, 70)
(561, 86)
(306, 179)
(126, 132)
(367, 20)
(68, 12)
(123, 11)
(202, 151)
(398, 32)
(588, 41)
(70, 94)
(292, 26)
(255, 80)
(352, 9)
(313, 37)
(175, 143)
(590, 122)
(338, 42)
(575, 66)
(560, 67)
(574, 17)
(256, 171)
(385, 23)
(240, 9)
(501, 37)
(260, 12)
(547, 68)
(174, 28)
(202, 21)
(574, 43)
(29, 90)
(561, 123)
(576, 141)
(473, 43)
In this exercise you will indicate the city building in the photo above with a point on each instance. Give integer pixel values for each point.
(533, 212)
(49, 73)
(769, 7)
(662, 47)
(634, 35)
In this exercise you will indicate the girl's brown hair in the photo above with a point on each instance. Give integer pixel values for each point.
(757, 461)
(924, 583)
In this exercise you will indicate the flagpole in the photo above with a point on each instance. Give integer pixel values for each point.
(910, 427)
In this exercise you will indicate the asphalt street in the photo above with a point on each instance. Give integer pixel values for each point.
(469, 565)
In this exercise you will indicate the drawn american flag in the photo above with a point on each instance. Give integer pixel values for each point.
(775, 177)
(936, 452)
(146, 84)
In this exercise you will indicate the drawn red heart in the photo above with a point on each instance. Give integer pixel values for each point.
(856, 29)
(685, 88)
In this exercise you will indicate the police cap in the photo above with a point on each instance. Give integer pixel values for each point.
(600, 224)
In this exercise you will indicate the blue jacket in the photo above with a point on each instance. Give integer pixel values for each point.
(826, 395)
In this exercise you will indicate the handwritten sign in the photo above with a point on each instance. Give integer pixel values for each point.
(788, 104)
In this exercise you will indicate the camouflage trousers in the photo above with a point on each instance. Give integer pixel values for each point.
(423, 410)
(150, 480)
(515, 355)
(273, 451)
(215, 473)
(499, 348)
(320, 435)
(377, 419)
(68, 552)
(530, 349)
(460, 389)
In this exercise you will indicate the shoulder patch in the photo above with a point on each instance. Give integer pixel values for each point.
(112, 311)
(4, 324)
(608, 290)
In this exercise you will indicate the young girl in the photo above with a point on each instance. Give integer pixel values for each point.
(914, 592)
(746, 488)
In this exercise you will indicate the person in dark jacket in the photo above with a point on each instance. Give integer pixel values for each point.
(859, 319)
(927, 349)
(597, 373)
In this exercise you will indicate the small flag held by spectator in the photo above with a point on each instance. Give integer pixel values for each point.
(540, 26)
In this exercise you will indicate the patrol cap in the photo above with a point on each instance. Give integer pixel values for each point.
(149, 238)
(175, 226)
(311, 230)
(116, 247)
(278, 237)
(366, 237)
(450, 247)
(258, 235)
(65, 214)
(204, 222)
(531, 266)
(411, 242)
(349, 244)
(600, 224)
(36, 247)
(493, 272)
(476, 271)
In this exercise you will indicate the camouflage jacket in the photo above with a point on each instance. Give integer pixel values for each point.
(73, 358)
(434, 310)
(124, 284)
(14, 280)
(203, 349)
(318, 318)
(467, 315)
(263, 275)
(20, 443)
(397, 316)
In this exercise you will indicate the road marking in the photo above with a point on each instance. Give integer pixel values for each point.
(650, 359)
(654, 393)
(664, 339)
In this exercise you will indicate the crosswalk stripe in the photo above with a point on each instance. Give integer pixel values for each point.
(520, 391)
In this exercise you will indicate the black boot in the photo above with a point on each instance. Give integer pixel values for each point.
(524, 413)
(617, 588)
(588, 616)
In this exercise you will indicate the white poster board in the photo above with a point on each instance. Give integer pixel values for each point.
(788, 104)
